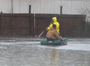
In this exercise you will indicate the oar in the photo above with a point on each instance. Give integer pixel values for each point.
(63, 42)
(41, 33)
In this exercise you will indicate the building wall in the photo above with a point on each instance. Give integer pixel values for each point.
(41, 6)
(53, 6)
(21, 6)
(5, 6)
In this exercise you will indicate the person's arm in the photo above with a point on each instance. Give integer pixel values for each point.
(48, 28)
(57, 27)
(57, 35)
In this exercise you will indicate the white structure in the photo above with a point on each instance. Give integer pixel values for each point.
(43, 6)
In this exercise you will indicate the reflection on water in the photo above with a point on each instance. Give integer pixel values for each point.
(28, 55)
(37, 55)
(52, 57)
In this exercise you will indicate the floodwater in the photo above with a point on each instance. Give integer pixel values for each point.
(29, 52)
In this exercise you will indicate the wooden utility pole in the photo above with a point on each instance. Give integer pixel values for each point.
(1, 24)
(12, 5)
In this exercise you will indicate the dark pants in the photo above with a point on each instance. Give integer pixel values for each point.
(49, 39)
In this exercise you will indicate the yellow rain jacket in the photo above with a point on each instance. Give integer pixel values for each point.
(56, 23)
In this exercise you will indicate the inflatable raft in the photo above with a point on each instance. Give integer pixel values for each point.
(55, 42)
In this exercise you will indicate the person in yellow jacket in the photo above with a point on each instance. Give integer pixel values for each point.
(56, 23)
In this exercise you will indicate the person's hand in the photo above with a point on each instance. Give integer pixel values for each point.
(59, 34)
(46, 28)
(51, 22)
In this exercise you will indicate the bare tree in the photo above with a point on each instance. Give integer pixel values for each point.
(85, 9)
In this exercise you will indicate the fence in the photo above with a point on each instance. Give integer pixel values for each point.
(34, 24)
(70, 25)
(16, 24)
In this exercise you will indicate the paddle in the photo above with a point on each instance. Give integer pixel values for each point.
(41, 33)
(63, 42)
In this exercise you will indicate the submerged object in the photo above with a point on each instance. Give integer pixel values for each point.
(55, 42)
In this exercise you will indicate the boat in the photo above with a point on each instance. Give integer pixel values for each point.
(55, 42)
